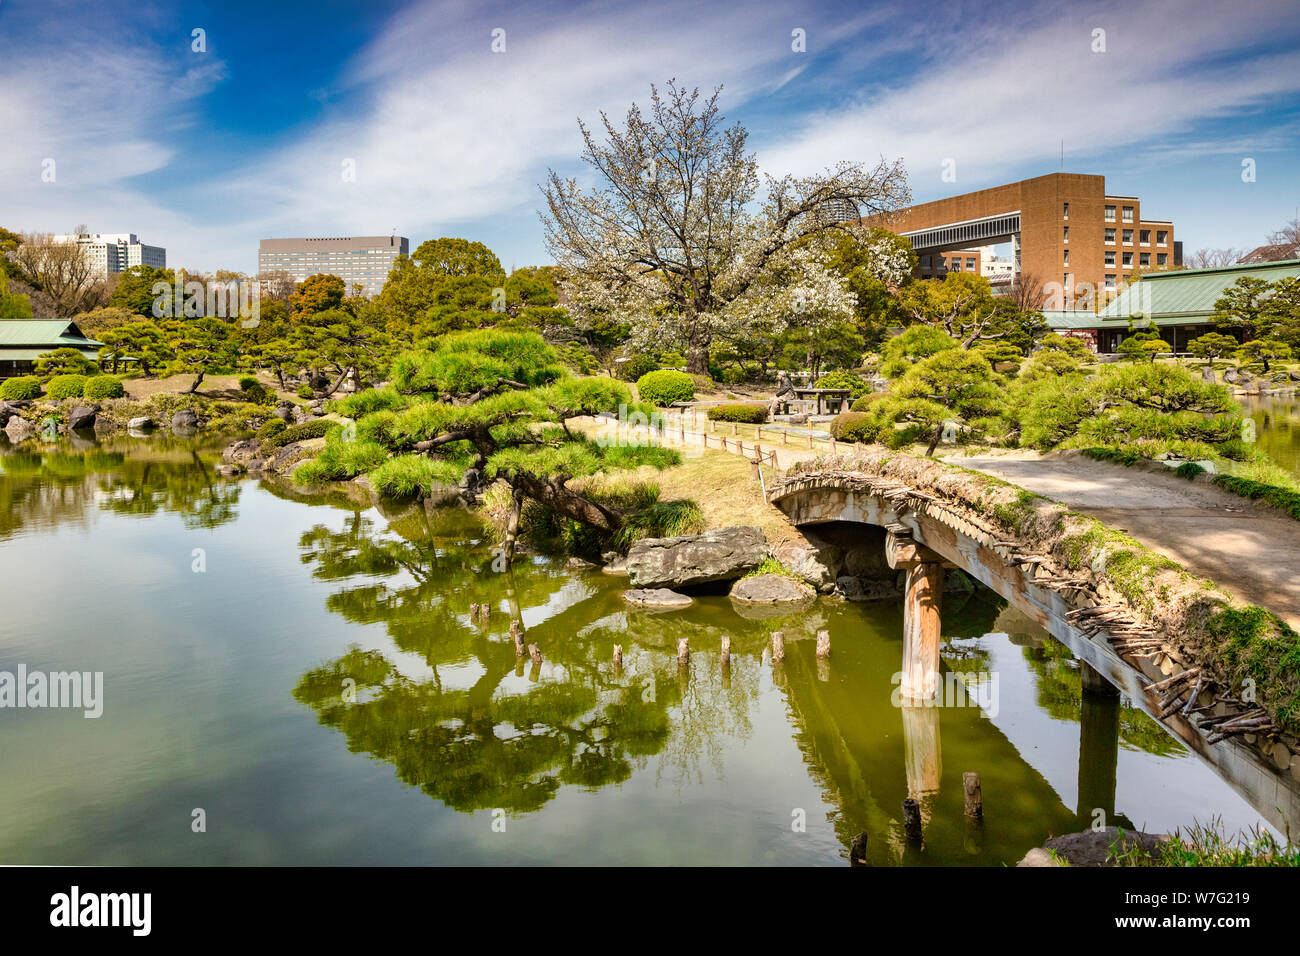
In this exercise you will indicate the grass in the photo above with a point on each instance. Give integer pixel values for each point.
(1207, 845)
(1284, 498)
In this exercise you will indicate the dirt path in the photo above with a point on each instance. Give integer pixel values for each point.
(1252, 551)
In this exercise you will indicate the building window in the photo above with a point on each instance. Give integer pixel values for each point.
(1067, 257)
(1110, 213)
(1110, 236)
(1128, 259)
(1162, 237)
(1128, 213)
(1065, 213)
(1144, 259)
(925, 262)
(1110, 257)
(1144, 237)
(970, 263)
(1128, 237)
(1067, 234)
(1110, 283)
(1069, 280)
(1162, 258)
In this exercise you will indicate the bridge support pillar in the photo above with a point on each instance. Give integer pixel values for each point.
(921, 627)
(1094, 684)
(1098, 756)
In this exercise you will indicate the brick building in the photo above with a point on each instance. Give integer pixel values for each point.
(1074, 240)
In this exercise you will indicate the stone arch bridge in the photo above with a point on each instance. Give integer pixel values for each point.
(926, 532)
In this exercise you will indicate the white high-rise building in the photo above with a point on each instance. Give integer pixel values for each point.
(116, 252)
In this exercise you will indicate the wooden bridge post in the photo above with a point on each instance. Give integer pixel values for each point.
(1093, 683)
(921, 627)
(1098, 754)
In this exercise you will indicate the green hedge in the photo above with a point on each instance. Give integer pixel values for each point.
(23, 386)
(853, 426)
(65, 386)
(103, 386)
(750, 412)
(271, 427)
(666, 387)
(1284, 498)
(293, 433)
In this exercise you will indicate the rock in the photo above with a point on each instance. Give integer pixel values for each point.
(578, 564)
(867, 562)
(1294, 375)
(229, 471)
(617, 566)
(720, 555)
(241, 452)
(771, 589)
(185, 418)
(1091, 847)
(143, 423)
(1230, 376)
(18, 428)
(867, 589)
(83, 416)
(8, 411)
(1207, 375)
(1244, 376)
(283, 412)
(657, 597)
(299, 415)
(812, 559)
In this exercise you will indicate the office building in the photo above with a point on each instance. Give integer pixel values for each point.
(357, 260)
(116, 252)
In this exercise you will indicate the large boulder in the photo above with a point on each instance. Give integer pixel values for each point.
(721, 555)
(771, 589)
(1092, 847)
(143, 423)
(816, 561)
(185, 418)
(82, 416)
(8, 411)
(18, 428)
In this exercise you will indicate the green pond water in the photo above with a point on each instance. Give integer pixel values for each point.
(1277, 427)
(304, 671)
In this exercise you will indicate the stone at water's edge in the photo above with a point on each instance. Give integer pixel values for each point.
(83, 416)
(140, 424)
(720, 555)
(771, 589)
(812, 559)
(1091, 847)
(657, 597)
(185, 418)
(19, 429)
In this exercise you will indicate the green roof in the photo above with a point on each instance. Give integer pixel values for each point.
(1188, 295)
(1071, 319)
(43, 334)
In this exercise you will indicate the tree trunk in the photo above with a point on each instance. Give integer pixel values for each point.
(568, 503)
(198, 380)
(697, 353)
(934, 440)
(341, 379)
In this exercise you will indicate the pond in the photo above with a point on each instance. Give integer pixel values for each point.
(1277, 427)
(297, 680)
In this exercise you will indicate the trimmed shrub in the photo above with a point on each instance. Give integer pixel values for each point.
(255, 392)
(317, 429)
(853, 426)
(305, 391)
(23, 386)
(1189, 470)
(65, 386)
(99, 387)
(637, 366)
(666, 387)
(751, 412)
(856, 384)
(271, 427)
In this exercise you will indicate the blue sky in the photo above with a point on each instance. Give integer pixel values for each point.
(206, 152)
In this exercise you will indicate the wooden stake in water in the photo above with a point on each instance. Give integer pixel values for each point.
(683, 651)
(725, 657)
(974, 802)
(823, 644)
(618, 657)
(516, 633)
(534, 652)
(778, 647)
